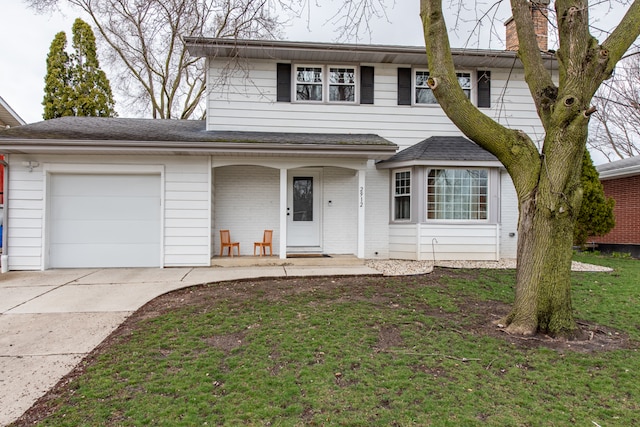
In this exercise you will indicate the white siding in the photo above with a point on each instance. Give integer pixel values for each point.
(450, 242)
(249, 105)
(186, 214)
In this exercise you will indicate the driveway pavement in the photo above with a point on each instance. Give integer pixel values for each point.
(50, 320)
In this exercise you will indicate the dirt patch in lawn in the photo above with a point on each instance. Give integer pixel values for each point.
(477, 316)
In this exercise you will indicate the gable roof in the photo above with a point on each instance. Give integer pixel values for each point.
(620, 169)
(97, 135)
(279, 50)
(442, 151)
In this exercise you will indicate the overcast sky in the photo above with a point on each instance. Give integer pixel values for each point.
(26, 37)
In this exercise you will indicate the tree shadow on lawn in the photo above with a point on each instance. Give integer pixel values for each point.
(478, 316)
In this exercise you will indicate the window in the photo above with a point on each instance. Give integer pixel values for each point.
(402, 196)
(424, 95)
(342, 84)
(320, 83)
(457, 194)
(309, 83)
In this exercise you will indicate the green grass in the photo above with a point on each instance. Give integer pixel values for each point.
(361, 352)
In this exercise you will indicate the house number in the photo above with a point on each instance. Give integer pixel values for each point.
(361, 196)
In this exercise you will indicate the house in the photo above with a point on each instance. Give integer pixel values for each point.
(337, 148)
(8, 118)
(621, 181)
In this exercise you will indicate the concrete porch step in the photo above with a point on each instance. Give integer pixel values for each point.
(296, 259)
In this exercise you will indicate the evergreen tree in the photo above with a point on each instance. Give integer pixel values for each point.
(596, 213)
(75, 85)
(57, 89)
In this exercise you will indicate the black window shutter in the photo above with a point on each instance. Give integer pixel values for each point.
(366, 85)
(484, 89)
(284, 83)
(404, 86)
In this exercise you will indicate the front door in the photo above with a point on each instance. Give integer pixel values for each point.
(303, 209)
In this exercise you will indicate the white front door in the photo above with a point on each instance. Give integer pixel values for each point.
(303, 208)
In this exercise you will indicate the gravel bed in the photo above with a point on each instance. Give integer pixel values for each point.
(395, 267)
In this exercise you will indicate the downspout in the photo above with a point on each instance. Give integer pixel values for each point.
(4, 259)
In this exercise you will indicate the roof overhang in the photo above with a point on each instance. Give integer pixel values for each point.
(47, 146)
(619, 173)
(8, 117)
(345, 53)
(441, 163)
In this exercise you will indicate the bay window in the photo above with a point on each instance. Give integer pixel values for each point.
(457, 194)
(402, 195)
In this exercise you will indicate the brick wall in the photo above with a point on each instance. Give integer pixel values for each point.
(626, 193)
(539, 14)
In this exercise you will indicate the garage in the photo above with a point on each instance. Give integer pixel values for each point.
(104, 220)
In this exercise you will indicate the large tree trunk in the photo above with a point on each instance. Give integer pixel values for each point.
(543, 298)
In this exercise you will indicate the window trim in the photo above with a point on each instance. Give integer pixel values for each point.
(395, 195)
(414, 88)
(326, 84)
(488, 203)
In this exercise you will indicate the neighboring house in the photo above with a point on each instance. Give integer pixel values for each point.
(621, 181)
(301, 138)
(8, 118)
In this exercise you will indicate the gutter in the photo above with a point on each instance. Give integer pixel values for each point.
(42, 146)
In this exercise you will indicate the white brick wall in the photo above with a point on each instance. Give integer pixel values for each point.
(246, 203)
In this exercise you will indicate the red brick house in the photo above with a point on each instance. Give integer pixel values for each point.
(621, 180)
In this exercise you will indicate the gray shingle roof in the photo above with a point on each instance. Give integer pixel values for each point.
(443, 148)
(121, 129)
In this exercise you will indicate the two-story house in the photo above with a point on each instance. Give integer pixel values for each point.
(337, 148)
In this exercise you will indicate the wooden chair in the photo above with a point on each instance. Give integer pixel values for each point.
(225, 242)
(266, 243)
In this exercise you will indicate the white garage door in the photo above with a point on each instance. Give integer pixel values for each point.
(104, 221)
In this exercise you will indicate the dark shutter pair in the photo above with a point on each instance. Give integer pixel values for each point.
(284, 84)
(483, 87)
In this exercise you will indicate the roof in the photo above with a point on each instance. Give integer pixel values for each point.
(345, 53)
(95, 135)
(8, 117)
(620, 169)
(442, 151)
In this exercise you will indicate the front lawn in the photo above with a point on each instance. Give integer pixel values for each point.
(361, 351)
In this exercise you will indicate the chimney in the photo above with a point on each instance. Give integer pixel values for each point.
(539, 14)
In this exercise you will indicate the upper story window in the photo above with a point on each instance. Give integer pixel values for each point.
(309, 83)
(457, 194)
(325, 83)
(413, 88)
(342, 84)
(312, 85)
(402, 195)
(424, 95)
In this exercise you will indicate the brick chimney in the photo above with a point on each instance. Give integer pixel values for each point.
(539, 14)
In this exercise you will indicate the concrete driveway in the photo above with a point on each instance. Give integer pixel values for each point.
(50, 320)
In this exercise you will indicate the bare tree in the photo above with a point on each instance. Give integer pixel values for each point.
(144, 47)
(547, 182)
(616, 131)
